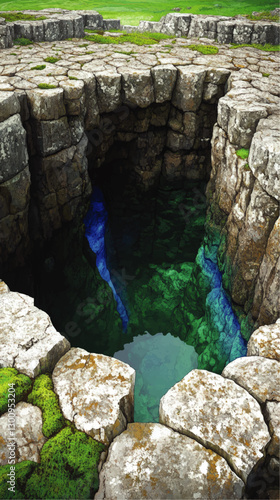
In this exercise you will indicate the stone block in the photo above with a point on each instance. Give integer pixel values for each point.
(13, 152)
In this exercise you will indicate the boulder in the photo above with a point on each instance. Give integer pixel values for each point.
(29, 342)
(152, 461)
(95, 392)
(273, 416)
(265, 341)
(27, 434)
(257, 375)
(210, 408)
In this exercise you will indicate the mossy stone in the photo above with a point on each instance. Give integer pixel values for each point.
(22, 384)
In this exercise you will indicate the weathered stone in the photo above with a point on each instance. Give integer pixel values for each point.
(264, 158)
(95, 392)
(52, 136)
(189, 87)
(209, 408)
(265, 341)
(14, 194)
(273, 415)
(73, 89)
(3, 287)
(137, 87)
(9, 105)
(177, 142)
(13, 150)
(108, 91)
(152, 461)
(164, 78)
(259, 376)
(92, 111)
(46, 104)
(28, 434)
(29, 342)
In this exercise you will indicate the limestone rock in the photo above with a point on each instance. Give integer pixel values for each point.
(52, 136)
(273, 413)
(13, 150)
(211, 408)
(28, 340)
(265, 341)
(46, 104)
(152, 461)
(108, 91)
(28, 434)
(9, 105)
(259, 376)
(138, 87)
(164, 77)
(95, 392)
(189, 87)
(3, 287)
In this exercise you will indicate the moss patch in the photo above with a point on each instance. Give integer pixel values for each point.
(22, 41)
(22, 384)
(263, 16)
(68, 467)
(242, 153)
(267, 47)
(43, 395)
(204, 49)
(39, 66)
(266, 74)
(23, 470)
(51, 60)
(46, 86)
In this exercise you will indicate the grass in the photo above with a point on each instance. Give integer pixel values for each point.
(133, 11)
(266, 47)
(264, 15)
(242, 153)
(19, 16)
(204, 49)
(22, 41)
(136, 38)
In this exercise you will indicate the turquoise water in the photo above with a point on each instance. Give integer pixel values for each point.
(160, 362)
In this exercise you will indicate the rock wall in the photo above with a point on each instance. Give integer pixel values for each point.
(61, 24)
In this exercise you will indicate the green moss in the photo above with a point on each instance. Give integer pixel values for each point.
(242, 153)
(68, 467)
(204, 49)
(40, 66)
(23, 470)
(42, 395)
(51, 60)
(128, 53)
(267, 47)
(136, 38)
(22, 384)
(263, 16)
(246, 167)
(90, 52)
(72, 78)
(84, 45)
(22, 41)
(266, 74)
(13, 54)
(46, 86)
(19, 16)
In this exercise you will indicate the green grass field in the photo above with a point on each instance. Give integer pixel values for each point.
(133, 11)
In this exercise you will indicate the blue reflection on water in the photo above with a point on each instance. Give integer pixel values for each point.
(95, 227)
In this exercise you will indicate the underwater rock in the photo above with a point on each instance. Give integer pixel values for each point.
(257, 375)
(29, 342)
(265, 341)
(95, 392)
(210, 408)
(152, 461)
(28, 434)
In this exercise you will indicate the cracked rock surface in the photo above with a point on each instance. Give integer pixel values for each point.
(28, 340)
(210, 408)
(95, 392)
(152, 461)
(29, 436)
(259, 376)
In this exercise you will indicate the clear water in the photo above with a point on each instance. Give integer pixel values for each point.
(160, 362)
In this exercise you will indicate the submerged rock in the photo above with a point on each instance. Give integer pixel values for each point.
(220, 415)
(152, 461)
(95, 392)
